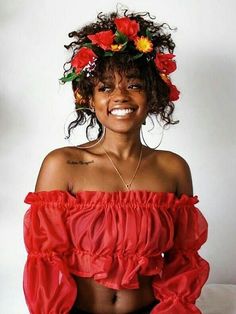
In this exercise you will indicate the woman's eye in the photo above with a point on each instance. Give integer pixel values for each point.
(136, 86)
(104, 88)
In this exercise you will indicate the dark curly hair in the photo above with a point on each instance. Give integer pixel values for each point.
(156, 88)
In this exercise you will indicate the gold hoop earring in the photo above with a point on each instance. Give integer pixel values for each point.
(162, 134)
(68, 139)
(103, 134)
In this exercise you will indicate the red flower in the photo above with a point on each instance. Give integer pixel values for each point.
(164, 62)
(127, 27)
(102, 39)
(82, 58)
(174, 93)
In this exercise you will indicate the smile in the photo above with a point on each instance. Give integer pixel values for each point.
(121, 112)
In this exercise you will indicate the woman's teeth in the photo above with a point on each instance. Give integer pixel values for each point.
(121, 112)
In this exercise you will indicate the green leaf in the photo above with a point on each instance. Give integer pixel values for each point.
(88, 45)
(79, 76)
(108, 54)
(148, 34)
(137, 56)
(70, 77)
(124, 46)
(120, 38)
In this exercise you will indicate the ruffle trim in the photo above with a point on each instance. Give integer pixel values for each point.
(59, 196)
(117, 271)
(105, 197)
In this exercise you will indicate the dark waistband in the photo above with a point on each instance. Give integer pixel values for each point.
(144, 310)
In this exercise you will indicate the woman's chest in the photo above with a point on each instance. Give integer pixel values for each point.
(95, 173)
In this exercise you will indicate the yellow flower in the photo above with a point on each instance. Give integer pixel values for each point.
(116, 47)
(143, 44)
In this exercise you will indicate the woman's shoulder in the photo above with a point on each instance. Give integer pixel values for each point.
(59, 158)
(54, 171)
(61, 154)
(177, 168)
(170, 158)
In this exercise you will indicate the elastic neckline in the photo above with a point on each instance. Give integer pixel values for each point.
(120, 193)
(95, 196)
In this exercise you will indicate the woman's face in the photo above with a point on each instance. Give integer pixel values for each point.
(126, 94)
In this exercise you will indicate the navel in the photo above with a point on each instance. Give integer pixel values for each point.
(114, 298)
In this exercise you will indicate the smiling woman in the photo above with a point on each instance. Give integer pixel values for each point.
(120, 98)
(113, 227)
(135, 47)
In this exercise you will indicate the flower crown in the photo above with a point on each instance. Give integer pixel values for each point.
(126, 38)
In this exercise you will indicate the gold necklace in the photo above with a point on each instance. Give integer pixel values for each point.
(129, 184)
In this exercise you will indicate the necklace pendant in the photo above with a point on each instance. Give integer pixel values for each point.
(126, 185)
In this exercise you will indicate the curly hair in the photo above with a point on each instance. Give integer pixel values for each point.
(156, 88)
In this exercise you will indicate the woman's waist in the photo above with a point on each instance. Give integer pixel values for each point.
(146, 309)
(95, 298)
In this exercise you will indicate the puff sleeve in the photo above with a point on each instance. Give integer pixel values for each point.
(184, 272)
(48, 285)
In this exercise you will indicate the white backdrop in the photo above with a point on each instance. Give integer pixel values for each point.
(34, 108)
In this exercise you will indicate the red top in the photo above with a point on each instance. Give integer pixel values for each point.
(112, 236)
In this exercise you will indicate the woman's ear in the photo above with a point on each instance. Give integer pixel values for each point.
(91, 104)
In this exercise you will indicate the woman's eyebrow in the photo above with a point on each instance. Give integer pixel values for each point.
(104, 80)
(133, 76)
(107, 77)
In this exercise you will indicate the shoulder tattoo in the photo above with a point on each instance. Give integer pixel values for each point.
(79, 162)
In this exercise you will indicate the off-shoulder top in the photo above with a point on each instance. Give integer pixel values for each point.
(111, 237)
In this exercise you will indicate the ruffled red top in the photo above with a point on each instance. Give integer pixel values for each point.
(111, 237)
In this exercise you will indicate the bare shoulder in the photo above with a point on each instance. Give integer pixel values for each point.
(178, 168)
(53, 174)
(172, 160)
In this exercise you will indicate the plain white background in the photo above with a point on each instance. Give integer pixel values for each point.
(34, 109)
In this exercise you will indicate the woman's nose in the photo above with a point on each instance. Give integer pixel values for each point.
(120, 94)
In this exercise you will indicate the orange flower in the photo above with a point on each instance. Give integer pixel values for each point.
(102, 39)
(116, 47)
(143, 44)
(78, 97)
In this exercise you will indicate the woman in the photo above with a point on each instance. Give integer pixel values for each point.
(112, 226)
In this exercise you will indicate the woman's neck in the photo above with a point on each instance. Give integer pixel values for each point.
(123, 146)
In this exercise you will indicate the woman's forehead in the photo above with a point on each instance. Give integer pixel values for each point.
(128, 74)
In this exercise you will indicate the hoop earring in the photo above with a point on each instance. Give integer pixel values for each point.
(103, 134)
(91, 109)
(162, 134)
(103, 131)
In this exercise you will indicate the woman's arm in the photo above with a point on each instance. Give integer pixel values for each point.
(47, 282)
(184, 272)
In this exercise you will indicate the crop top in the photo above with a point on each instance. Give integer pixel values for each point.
(111, 237)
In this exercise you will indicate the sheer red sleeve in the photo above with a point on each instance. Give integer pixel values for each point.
(184, 272)
(48, 285)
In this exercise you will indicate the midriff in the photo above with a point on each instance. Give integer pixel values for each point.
(94, 298)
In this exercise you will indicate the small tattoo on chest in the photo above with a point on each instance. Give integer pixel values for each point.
(80, 162)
